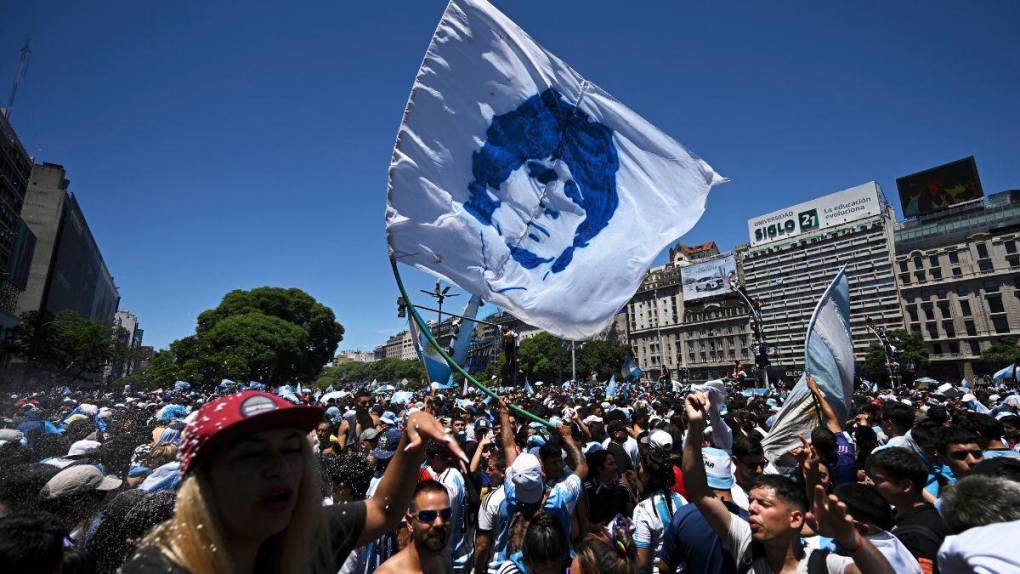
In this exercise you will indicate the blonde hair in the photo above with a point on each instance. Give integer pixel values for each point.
(193, 537)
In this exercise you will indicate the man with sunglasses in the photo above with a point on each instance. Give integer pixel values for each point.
(428, 520)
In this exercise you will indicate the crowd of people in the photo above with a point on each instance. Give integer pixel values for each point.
(661, 480)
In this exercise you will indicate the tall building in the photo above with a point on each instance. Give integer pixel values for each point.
(794, 254)
(685, 316)
(131, 338)
(353, 356)
(17, 242)
(959, 275)
(68, 270)
(400, 346)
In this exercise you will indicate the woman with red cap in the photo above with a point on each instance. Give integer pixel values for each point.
(250, 499)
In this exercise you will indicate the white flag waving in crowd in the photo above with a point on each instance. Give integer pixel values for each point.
(524, 184)
(829, 359)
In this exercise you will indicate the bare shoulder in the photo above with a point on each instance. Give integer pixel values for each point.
(396, 563)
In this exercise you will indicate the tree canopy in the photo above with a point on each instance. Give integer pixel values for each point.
(1000, 354)
(67, 343)
(271, 335)
(910, 349)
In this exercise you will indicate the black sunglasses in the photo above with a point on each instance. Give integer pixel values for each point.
(429, 516)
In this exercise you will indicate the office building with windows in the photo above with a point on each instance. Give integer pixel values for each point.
(958, 271)
(17, 242)
(704, 334)
(795, 253)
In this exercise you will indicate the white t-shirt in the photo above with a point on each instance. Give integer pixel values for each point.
(739, 496)
(648, 523)
(988, 549)
(738, 544)
(489, 519)
(902, 561)
(461, 541)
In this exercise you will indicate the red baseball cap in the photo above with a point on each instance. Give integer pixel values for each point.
(228, 418)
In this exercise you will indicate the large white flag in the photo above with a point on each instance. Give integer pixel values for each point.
(525, 184)
(829, 359)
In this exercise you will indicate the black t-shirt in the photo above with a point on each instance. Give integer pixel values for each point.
(346, 522)
(605, 502)
(623, 462)
(922, 531)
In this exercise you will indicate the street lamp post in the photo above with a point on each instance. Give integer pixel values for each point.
(760, 349)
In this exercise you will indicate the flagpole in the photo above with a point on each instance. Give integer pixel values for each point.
(449, 360)
(573, 363)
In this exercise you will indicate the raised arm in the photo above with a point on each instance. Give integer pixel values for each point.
(387, 506)
(585, 431)
(477, 458)
(574, 458)
(831, 421)
(506, 433)
(713, 509)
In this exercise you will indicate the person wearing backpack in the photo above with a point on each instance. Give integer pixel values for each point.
(770, 542)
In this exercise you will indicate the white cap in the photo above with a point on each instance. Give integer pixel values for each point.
(661, 439)
(526, 476)
(83, 447)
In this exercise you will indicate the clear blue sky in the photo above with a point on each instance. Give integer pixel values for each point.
(223, 145)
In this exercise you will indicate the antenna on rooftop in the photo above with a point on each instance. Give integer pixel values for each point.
(26, 51)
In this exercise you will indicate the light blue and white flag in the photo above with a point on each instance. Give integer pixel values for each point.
(527, 387)
(611, 387)
(829, 359)
(527, 185)
(630, 371)
(964, 384)
(1008, 373)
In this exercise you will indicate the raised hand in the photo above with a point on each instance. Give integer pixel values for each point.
(696, 406)
(421, 426)
(833, 520)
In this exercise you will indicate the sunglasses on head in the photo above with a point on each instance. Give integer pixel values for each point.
(428, 516)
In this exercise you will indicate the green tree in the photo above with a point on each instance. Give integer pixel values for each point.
(873, 367)
(910, 349)
(604, 357)
(272, 335)
(543, 358)
(66, 343)
(1000, 354)
(321, 332)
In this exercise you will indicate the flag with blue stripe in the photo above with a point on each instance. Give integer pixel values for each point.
(611, 387)
(829, 359)
(526, 184)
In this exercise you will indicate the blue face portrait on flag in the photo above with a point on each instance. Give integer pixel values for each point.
(545, 180)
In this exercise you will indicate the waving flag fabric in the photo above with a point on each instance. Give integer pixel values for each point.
(1008, 373)
(611, 387)
(829, 359)
(527, 185)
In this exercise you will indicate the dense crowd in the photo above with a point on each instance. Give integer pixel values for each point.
(358, 480)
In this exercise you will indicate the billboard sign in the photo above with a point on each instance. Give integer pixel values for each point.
(827, 211)
(708, 278)
(940, 187)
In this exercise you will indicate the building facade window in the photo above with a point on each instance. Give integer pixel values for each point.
(971, 330)
(965, 308)
(982, 251)
(954, 257)
(1001, 324)
(995, 304)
